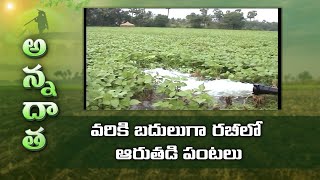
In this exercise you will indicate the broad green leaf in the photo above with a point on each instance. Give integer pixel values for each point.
(114, 103)
(201, 87)
(182, 93)
(134, 102)
(148, 79)
(172, 94)
(199, 100)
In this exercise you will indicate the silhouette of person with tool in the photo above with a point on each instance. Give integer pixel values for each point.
(41, 19)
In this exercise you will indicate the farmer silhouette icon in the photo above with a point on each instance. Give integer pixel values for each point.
(41, 19)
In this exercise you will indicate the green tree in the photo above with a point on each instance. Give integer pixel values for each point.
(178, 22)
(69, 74)
(252, 14)
(58, 73)
(194, 20)
(217, 14)
(205, 18)
(168, 11)
(161, 20)
(264, 25)
(141, 17)
(132, 11)
(106, 16)
(305, 76)
(233, 20)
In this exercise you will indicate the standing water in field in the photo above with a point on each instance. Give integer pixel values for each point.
(215, 88)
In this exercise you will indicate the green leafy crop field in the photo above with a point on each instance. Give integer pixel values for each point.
(116, 58)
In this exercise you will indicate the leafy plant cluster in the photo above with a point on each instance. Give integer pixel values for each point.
(113, 85)
(116, 58)
(176, 99)
(244, 56)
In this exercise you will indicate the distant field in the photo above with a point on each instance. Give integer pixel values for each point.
(116, 57)
(250, 56)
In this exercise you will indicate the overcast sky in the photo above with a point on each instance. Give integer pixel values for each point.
(270, 15)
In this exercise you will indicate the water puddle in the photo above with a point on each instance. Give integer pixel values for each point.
(215, 88)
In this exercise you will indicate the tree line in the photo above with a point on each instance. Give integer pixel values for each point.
(304, 76)
(215, 19)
